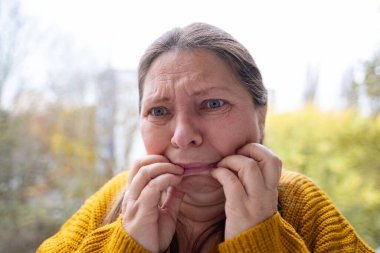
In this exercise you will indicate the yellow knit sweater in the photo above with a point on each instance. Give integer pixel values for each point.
(308, 222)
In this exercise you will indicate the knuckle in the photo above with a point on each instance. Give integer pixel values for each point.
(232, 178)
(277, 162)
(252, 164)
(153, 185)
(145, 172)
(128, 196)
(138, 163)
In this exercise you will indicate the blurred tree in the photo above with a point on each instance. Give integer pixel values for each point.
(22, 158)
(10, 24)
(48, 153)
(364, 91)
(17, 35)
(350, 89)
(116, 120)
(371, 83)
(5, 155)
(340, 152)
(105, 123)
(47, 161)
(311, 84)
(45, 146)
(25, 162)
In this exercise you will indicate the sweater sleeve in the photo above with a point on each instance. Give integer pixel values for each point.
(272, 235)
(308, 222)
(315, 218)
(83, 231)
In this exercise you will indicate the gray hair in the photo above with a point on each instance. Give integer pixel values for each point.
(205, 36)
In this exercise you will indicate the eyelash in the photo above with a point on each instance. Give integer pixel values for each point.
(151, 111)
(204, 105)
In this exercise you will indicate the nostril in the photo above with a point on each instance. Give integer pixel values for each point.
(174, 143)
(185, 134)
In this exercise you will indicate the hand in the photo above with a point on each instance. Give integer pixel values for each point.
(150, 224)
(250, 180)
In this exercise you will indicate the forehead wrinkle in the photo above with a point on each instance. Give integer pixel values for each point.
(167, 79)
(165, 87)
(158, 93)
(170, 83)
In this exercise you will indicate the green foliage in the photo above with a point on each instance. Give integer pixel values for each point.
(47, 170)
(372, 83)
(341, 152)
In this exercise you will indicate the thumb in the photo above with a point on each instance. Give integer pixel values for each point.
(173, 202)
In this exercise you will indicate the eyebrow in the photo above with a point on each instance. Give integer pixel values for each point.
(207, 90)
(204, 91)
(156, 100)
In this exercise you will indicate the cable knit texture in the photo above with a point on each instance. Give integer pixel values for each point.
(307, 222)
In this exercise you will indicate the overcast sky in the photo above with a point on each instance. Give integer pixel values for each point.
(284, 37)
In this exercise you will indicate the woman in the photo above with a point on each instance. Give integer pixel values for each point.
(207, 183)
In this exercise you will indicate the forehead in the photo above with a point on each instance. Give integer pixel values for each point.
(186, 60)
(197, 69)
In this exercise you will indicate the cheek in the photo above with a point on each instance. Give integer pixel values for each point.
(155, 139)
(228, 142)
(234, 135)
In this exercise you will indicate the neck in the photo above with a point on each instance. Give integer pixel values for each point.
(205, 207)
(198, 236)
(202, 207)
(195, 221)
(201, 213)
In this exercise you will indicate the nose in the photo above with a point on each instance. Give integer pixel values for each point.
(186, 133)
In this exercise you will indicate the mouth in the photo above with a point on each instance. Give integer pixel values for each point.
(196, 168)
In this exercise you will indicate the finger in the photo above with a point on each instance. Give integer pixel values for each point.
(173, 202)
(148, 173)
(269, 164)
(149, 159)
(247, 170)
(172, 194)
(256, 151)
(151, 195)
(232, 186)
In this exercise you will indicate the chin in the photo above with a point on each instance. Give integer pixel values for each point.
(199, 183)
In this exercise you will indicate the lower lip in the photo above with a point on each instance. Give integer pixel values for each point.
(198, 169)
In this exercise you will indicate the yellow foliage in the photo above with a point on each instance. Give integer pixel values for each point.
(341, 152)
(70, 147)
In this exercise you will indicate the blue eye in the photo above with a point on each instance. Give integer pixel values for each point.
(159, 111)
(214, 103)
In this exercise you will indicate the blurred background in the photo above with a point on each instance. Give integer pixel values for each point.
(68, 98)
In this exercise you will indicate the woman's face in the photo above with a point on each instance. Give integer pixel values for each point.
(195, 111)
